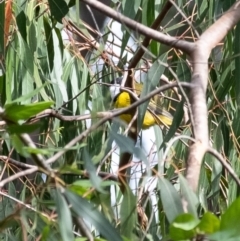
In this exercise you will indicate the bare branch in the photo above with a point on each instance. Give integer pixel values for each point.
(185, 46)
(15, 162)
(19, 174)
(184, 16)
(56, 114)
(27, 206)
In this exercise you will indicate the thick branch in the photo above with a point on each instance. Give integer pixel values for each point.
(185, 46)
(220, 28)
(200, 57)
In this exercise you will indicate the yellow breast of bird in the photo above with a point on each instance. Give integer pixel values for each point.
(124, 100)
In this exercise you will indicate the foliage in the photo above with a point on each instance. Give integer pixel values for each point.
(47, 87)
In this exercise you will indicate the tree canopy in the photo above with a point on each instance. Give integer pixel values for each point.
(71, 169)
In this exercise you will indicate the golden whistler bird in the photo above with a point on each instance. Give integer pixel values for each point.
(154, 114)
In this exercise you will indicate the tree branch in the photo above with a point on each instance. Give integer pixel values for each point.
(185, 46)
(200, 57)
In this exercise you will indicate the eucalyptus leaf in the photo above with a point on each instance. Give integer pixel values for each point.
(153, 78)
(127, 145)
(82, 208)
(58, 9)
(92, 172)
(230, 218)
(183, 227)
(189, 196)
(14, 112)
(171, 200)
(64, 217)
(128, 214)
(209, 223)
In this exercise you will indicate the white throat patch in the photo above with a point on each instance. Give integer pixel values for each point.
(114, 90)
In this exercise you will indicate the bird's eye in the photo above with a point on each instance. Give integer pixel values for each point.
(118, 81)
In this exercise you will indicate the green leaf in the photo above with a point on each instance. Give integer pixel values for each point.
(86, 210)
(11, 57)
(92, 172)
(232, 185)
(32, 38)
(82, 72)
(19, 129)
(14, 112)
(152, 81)
(183, 70)
(130, 8)
(127, 145)
(189, 196)
(80, 187)
(71, 3)
(186, 222)
(183, 227)
(39, 83)
(59, 86)
(226, 235)
(21, 23)
(19, 146)
(150, 19)
(128, 214)
(29, 95)
(38, 150)
(26, 66)
(209, 223)
(170, 199)
(231, 217)
(178, 116)
(237, 62)
(58, 9)
(49, 42)
(159, 140)
(202, 7)
(64, 217)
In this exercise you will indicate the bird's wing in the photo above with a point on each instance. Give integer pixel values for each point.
(161, 116)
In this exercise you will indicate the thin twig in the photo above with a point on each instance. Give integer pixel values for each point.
(19, 174)
(39, 159)
(184, 16)
(15, 162)
(139, 54)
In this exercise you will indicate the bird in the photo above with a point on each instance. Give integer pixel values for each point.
(154, 114)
